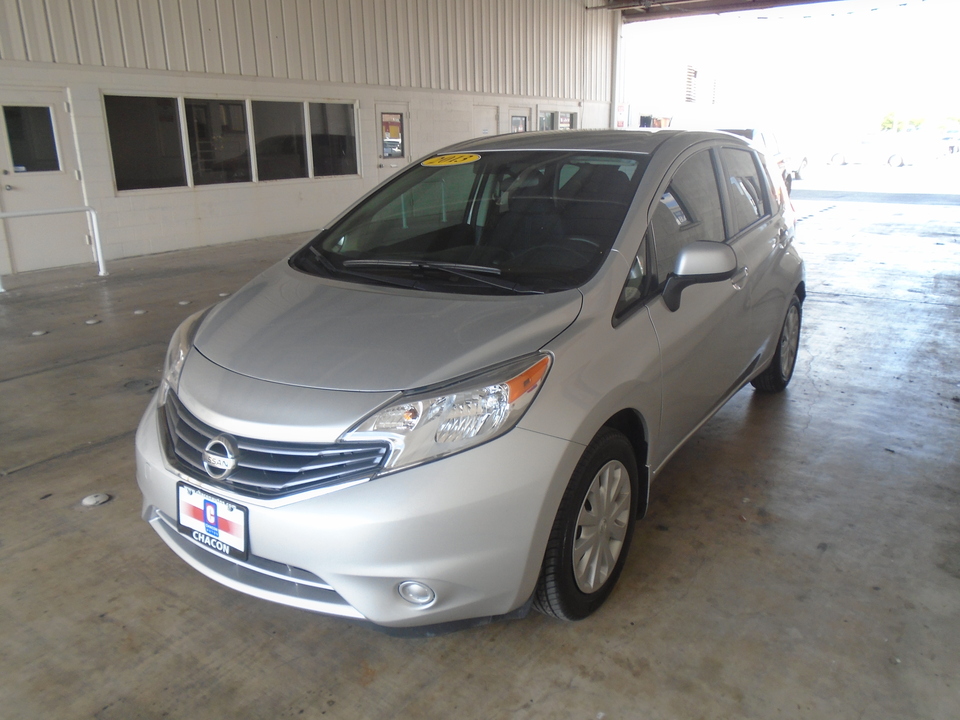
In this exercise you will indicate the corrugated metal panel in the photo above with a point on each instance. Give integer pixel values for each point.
(35, 32)
(192, 35)
(131, 35)
(151, 24)
(172, 29)
(540, 48)
(228, 26)
(108, 33)
(61, 33)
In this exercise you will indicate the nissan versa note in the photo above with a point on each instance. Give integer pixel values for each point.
(449, 405)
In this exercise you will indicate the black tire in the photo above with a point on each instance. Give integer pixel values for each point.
(777, 375)
(607, 468)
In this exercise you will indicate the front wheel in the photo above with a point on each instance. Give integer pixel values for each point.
(777, 376)
(592, 531)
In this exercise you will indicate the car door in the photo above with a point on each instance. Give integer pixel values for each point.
(704, 344)
(757, 235)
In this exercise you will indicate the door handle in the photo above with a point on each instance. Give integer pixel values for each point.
(8, 187)
(740, 279)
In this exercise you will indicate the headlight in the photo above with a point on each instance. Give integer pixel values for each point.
(180, 345)
(448, 420)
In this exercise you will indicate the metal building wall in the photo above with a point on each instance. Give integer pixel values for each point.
(541, 48)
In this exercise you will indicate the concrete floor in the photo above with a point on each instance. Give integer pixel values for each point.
(801, 556)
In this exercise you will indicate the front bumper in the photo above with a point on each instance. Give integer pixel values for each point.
(473, 527)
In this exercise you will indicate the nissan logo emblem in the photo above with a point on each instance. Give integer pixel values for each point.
(220, 457)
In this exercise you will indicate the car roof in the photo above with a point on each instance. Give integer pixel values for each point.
(640, 141)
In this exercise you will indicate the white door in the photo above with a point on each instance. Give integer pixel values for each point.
(486, 120)
(38, 171)
(393, 138)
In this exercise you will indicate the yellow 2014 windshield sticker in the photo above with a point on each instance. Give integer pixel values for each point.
(456, 159)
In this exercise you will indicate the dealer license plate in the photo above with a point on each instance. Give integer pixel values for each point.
(217, 524)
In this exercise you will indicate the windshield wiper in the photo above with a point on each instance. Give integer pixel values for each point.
(431, 264)
(477, 273)
(333, 270)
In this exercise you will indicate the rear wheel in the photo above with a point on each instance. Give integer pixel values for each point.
(777, 376)
(592, 531)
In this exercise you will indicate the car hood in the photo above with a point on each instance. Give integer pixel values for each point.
(289, 327)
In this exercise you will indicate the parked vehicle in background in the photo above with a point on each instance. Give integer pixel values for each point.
(951, 141)
(449, 405)
(888, 147)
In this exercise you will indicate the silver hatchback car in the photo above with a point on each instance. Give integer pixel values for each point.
(450, 404)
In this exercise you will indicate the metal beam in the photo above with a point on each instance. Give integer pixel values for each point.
(641, 10)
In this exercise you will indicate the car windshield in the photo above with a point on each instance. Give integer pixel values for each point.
(492, 222)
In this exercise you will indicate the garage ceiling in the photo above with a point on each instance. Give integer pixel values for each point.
(639, 10)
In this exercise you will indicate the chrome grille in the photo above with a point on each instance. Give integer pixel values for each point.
(265, 468)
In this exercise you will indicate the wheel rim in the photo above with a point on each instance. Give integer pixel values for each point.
(789, 342)
(601, 527)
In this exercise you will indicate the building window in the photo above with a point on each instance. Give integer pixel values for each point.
(392, 129)
(548, 121)
(333, 139)
(280, 140)
(568, 121)
(518, 123)
(219, 148)
(32, 144)
(145, 142)
(691, 88)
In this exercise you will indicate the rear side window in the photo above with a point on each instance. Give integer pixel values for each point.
(748, 197)
(689, 210)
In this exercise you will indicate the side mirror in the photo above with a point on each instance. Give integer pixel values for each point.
(698, 262)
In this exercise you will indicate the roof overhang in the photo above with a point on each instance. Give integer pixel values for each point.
(640, 10)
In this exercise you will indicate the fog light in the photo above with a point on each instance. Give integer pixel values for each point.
(416, 593)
